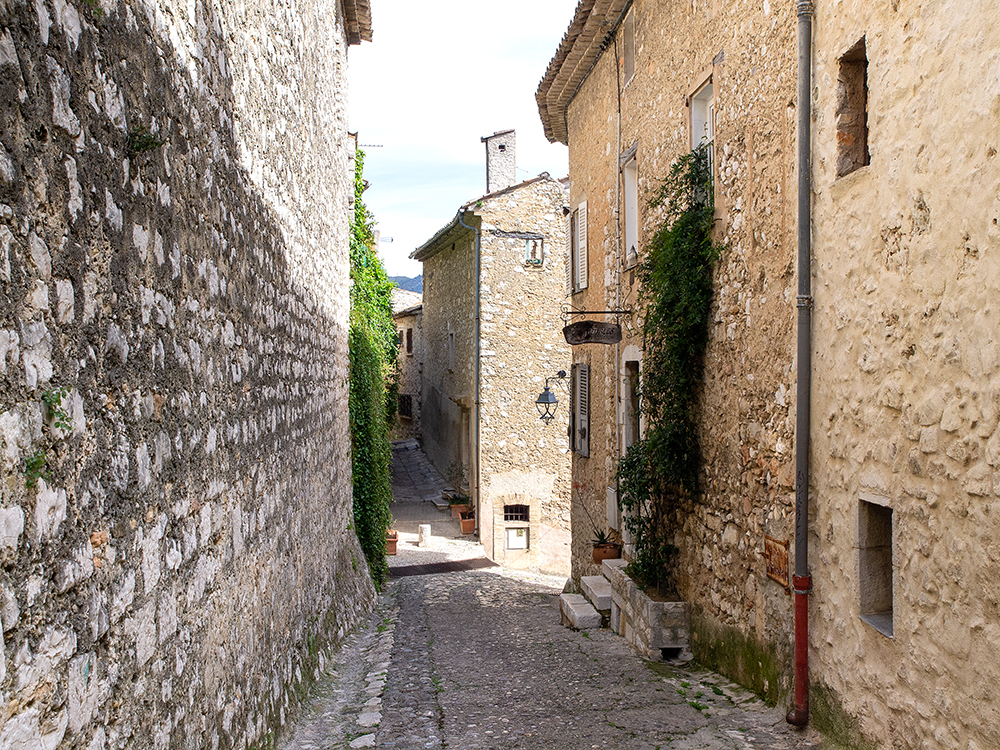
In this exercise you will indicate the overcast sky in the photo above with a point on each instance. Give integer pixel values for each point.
(439, 76)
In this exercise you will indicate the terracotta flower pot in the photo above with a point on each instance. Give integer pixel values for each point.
(391, 538)
(457, 509)
(608, 551)
(468, 520)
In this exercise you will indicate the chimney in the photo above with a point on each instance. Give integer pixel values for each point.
(501, 165)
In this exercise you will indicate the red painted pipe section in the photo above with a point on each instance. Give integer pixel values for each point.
(799, 715)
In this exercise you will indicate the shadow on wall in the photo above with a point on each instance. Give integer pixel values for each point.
(189, 537)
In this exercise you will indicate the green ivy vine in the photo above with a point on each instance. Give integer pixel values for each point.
(373, 386)
(662, 468)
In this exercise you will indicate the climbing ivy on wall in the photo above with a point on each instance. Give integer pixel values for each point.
(662, 468)
(373, 387)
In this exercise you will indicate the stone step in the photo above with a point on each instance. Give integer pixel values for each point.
(608, 565)
(597, 589)
(578, 613)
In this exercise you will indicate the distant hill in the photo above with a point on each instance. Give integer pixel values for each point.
(410, 284)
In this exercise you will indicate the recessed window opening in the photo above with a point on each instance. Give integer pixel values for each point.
(409, 341)
(630, 179)
(502, 147)
(628, 53)
(405, 403)
(632, 403)
(703, 119)
(451, 350)
(533, 252)
(852, 110)
(875, 565)
(515, 513)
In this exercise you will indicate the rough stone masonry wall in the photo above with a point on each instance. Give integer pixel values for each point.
(747, 420)
(907, 372)
(525, 462)
(449, 387)
(409, 365)
(184, 552)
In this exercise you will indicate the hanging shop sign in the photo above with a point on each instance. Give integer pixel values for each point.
(592, 332)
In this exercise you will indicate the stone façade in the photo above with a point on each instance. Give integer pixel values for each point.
(174, 181)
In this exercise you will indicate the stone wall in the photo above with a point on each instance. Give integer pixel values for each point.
(409, 365)
(746, 429)
(175, 542)
(525, 461)
(906, 388)
(448, 387)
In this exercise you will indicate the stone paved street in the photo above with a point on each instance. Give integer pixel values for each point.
(478, 659)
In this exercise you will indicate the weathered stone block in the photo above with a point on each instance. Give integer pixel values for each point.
(597, 589)
(578, 613)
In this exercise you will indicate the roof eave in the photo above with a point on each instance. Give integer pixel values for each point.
(357, 21)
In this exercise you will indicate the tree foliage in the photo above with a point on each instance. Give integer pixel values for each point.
(676, 293)
(373, 352)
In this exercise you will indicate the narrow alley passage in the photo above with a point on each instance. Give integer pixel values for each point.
(477, 658)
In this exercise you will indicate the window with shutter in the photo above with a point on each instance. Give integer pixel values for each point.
(570, 261)
(581, 246)
(580, 421)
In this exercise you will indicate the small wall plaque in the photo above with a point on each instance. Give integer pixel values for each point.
(776, 559)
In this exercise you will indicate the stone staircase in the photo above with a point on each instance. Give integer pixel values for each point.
(656, 630)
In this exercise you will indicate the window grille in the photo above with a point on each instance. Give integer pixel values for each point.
(515, 513)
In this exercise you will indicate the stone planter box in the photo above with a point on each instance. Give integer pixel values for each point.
(656, 630)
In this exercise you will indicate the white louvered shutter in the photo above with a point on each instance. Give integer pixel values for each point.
(569, 253)
(581, 246)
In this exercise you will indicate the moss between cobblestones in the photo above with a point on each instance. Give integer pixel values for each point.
(759, 667)
(828, 716)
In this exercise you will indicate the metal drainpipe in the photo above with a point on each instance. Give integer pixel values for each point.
(478, 347)
(801, 580)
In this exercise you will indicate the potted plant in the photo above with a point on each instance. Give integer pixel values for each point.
(605, 547)
(468, 521)
(391, 538)
(459, 504)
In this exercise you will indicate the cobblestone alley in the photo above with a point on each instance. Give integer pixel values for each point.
(478, 659)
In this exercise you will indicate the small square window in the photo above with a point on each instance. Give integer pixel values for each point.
(515, 513)
(533, 252)
(875, 565)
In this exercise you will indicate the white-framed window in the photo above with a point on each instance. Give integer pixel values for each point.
(576, 249)
(630, 183)
(703, 119)
(579, 422)
(534, 252)
(628, 47)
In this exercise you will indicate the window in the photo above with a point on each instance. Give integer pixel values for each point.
(405, 405)
(852, 110)
(451, 350)
(628, 53)
(579, 423)
(875, 565)
(703, 121)
(630, 178)
(515, 513)
(576, 250)
(409, 341)
(533, 252)
(632, 428)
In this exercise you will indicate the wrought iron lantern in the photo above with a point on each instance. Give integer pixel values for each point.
(547, 402)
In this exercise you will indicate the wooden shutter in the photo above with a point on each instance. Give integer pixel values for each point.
(581, 246)
(569, 253)
(582, 404)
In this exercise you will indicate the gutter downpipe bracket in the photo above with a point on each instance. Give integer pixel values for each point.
(801, 580)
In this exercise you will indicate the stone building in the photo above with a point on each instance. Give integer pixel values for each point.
(175, 510)
(493, 283)
(904, 420)
(408, 314)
